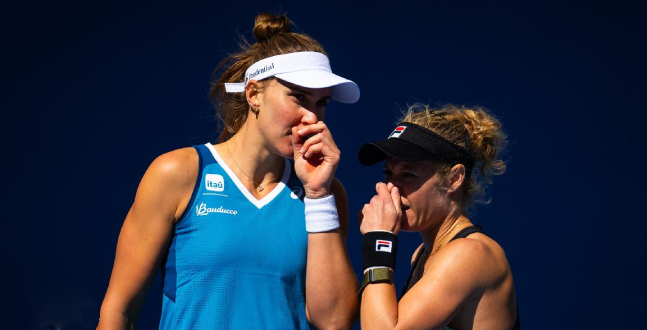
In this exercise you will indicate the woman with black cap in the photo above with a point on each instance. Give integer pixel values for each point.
(249, 232)
(460, 277)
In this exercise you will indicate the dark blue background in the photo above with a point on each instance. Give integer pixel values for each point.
(93, 91)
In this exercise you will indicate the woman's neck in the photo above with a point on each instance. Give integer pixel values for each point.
(439, 235)
(250, 159)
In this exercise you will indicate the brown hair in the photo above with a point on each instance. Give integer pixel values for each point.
(274, 37)
(472, 128)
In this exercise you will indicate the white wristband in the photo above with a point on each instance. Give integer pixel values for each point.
(321, 214)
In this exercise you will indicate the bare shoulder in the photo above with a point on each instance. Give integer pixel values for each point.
(168, 183)
(478, 258)
(176, 165)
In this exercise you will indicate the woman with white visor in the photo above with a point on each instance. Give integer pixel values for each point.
(250, 232)
(436, 162)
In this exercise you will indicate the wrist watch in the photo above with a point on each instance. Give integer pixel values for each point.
(376, 275)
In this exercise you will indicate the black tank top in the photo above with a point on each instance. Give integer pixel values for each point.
(418, 266)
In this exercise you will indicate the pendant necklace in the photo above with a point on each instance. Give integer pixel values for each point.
(259, 187)
(442, 238)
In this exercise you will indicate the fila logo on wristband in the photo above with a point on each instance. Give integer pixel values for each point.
(383, 246)
(397, 132)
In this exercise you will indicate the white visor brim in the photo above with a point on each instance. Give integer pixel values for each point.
(305, 69)
(342, 89)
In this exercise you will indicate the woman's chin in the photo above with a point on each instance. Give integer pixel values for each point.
(287, 152)
(406, 226)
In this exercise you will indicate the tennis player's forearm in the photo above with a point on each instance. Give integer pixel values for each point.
(113, 320)
(379, 307)
(331, 284)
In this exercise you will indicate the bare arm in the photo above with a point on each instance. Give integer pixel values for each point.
(449, 282)
(145, 235)
(331, 284)
(451, 278)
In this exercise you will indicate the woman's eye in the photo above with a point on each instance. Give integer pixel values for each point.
(323, 103)
(408, 175)
(299, 97)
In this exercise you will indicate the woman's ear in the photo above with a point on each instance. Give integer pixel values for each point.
(252, 92)
(457, 177)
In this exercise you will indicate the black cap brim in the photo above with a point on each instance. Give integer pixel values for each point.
(375, 152)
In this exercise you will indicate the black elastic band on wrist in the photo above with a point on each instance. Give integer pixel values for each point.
(380, 249)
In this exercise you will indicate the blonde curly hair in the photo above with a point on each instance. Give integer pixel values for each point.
(473, 128)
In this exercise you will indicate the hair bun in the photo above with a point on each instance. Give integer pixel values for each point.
(268, 25)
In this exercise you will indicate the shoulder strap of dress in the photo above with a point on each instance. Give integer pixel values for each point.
(414, 271)
(206, 157)
(203, 154)
(468, 231)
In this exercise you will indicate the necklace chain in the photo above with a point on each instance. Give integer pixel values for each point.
(259, 187)
(442, 239)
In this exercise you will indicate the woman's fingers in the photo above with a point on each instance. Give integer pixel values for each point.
(383, 210)
(316, 157)
(297, 143)
(317, 140)
(397, 201)
(313, 147)
(394, 193)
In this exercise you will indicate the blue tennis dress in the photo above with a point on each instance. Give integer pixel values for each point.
(236, 262)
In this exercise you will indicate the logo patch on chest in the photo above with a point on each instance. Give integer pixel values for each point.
(214, 182)
(202, 209)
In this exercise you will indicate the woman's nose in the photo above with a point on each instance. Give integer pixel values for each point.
(391, 182)
(310, 116)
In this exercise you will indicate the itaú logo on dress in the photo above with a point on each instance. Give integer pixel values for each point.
(202, 209)
(214, 182)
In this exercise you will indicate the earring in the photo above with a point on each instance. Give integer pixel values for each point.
(255, 111)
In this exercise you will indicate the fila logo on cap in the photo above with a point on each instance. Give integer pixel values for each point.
(383, 246)
(214, 182)
(397, 132)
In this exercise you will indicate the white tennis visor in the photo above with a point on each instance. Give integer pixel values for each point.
(305, 69)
